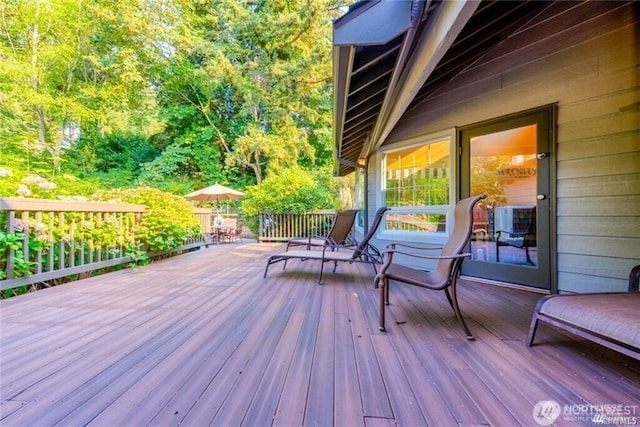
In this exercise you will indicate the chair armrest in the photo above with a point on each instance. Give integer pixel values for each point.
(425, 256)
(392, 246)
(634, 278)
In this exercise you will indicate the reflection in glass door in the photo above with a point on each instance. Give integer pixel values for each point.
(508, 161)
(504, 167)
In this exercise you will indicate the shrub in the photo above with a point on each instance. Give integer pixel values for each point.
(33, 185)
(292, 190)
(167, 222)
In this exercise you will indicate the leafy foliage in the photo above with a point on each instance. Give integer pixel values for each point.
(138, 256)
(13, 241)
(485, 180)
(168, 221)
(71, 69)
(256, 78)
(292, 190)
(173, 94)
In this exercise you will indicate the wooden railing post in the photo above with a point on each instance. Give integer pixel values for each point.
(10, 252)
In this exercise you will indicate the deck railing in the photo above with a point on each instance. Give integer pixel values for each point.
(281, 227)
(43, 240)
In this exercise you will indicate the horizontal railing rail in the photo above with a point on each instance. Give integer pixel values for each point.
(49, 239)
(44, 240)
(281, 227)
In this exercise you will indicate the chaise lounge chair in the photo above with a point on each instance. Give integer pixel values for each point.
(449, 261)
(338, 233)
(361, 252)
(611, 319)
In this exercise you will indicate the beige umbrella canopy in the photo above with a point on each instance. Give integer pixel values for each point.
(215, 193)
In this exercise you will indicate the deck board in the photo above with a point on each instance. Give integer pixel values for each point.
(347, 395)
(291, 408)
(320, 404)
(203, 339)
(375, 404)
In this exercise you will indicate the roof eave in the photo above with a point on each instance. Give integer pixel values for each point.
(372, 23)
(420, 52)
(367, 23)
(440, 32)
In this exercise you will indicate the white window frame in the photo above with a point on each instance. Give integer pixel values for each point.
(437, 238)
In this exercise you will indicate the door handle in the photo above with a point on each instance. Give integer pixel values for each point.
(541, 156)
(541, 197)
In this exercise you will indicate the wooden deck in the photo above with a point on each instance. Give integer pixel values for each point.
(202, 339)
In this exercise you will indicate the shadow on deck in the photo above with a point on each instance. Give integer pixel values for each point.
(203, 339)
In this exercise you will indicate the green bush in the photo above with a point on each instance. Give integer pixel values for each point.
(34, 185)
(167, 222)
(22, 265)
(293, 190)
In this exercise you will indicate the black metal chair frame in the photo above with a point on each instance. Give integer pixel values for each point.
(447, 270)
(360, 252)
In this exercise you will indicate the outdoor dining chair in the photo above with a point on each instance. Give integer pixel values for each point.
(449, 261)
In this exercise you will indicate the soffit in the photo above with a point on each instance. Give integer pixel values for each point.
(366, 75)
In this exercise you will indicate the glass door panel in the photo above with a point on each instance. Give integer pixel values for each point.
(504, 168)
(507, 159)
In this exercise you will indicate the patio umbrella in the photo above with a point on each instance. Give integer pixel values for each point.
(215, 193)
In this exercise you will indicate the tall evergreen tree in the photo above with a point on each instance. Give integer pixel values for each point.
(253, 80)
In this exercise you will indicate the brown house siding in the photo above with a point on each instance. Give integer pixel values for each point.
(584, 57)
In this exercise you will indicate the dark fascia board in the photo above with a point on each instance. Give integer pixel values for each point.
(342, 62)
(372, 23)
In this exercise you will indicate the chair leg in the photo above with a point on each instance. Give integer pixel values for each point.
(321, 272)
(387, 288)
(529, 260)
(453, 299)
(271, 260)
(532, 330)
(446, 292)
(383, 284)
(534, 321)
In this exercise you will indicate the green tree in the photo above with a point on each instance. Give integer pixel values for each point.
(171, 93)
(72, 68)
(255, 77)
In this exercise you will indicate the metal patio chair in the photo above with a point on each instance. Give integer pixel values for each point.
(449, 261)
(338, 233)
(358, 252)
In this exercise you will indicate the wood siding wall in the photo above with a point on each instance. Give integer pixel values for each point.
(584, 57)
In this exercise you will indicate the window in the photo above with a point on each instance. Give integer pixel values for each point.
(417, 187)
